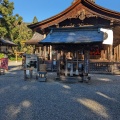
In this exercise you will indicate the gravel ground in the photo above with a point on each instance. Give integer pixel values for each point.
(56, 100)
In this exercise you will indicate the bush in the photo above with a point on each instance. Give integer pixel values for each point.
(1, 55)
(13, 58)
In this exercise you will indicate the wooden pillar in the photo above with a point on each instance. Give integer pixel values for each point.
(45, 52)
(50, 52)
(48, 49)
(110, 53)
(119, 51)
(66, 70)
(115, 54)
(58, 64)
(34, 50)
(105, 51)
(40, 51)
(44, 49)
(86, 62)
(77, 73)
(16, 56)
(102, 54)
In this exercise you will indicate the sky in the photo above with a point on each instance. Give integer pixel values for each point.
(44, 9)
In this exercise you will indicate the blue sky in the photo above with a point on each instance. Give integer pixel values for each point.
(44, 9)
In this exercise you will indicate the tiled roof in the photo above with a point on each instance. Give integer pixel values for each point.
(74, 36)
(35, 39)
(7, 42)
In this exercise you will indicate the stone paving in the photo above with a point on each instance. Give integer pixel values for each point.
(57, 100)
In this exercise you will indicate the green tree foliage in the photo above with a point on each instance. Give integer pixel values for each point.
(12, 26)
(35, 20)
(8, 21)
(93, 1)
(24, 34)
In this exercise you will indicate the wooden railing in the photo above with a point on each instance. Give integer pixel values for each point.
(94, 67)
(105, 67)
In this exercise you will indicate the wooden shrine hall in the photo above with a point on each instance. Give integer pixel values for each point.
(84, 35)
(6, 46)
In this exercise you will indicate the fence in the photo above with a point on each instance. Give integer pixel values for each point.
(94, 67)
(105, 67)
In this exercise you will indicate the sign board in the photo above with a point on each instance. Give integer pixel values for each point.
(31, 61)
(4, 63)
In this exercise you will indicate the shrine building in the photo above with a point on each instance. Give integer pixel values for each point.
(84, 33)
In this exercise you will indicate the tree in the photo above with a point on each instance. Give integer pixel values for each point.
(8, 21)
(93, 1)
(35, 20)
(12, 26)
(24, 34)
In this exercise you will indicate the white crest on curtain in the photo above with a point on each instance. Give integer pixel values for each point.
(109, 39)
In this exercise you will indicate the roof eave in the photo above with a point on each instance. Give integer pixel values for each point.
(86, 3)
(55, 16)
